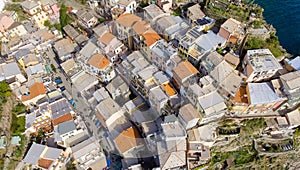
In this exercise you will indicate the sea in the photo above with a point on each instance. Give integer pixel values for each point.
(284, 15)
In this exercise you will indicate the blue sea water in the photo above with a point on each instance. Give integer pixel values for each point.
(284, 15)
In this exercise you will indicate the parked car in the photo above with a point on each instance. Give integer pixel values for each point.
(63, 88)
(58, 80)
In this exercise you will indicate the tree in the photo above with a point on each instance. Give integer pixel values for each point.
(53, 68)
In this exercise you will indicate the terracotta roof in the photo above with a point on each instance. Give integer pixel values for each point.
(99, 61)
(128, 20)
(168, 89)
(44, 163)
(185, 69)
(151, 37)
(141, 27)
(35, 90)
(106, 38)
(63, 118)
(128, 139)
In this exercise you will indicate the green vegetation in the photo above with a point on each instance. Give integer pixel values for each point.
(239, 157)
(101, 20)
(5, 92)
(177, 12)
(19, 108)
(19, 150)
(271, 43)
(16, 7)
(49, 25)
(64, 18)
(252, 125)
(18, 0)
(17, 125)
(53, 68)
(257, 24)
(71, 166)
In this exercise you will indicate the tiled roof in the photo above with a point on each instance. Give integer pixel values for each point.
(185, 69)
(128, 139)
(128, 20)
(44, 163)
(63, 118)
(106, 38)
(151, 37)
(99, 61)
(35, 90)
(168, 89)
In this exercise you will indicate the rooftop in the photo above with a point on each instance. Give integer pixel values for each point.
(294, 117)
(263, 60)
(29, 4)
(262, 93)
(127, 20)
(64, 47)
(173, 129)
(188, 112)
(231, 25)
(158, 94)
(295, 63)
(153, 11)
(196, 12)
(83, 80)
(169, 89)
(162, 49)
(35, 90)
(184, 70)
(211, 100)
(107, 108)
(292, 79)
(66, 127)
(128, 139)
(99, 61)
(106, 38)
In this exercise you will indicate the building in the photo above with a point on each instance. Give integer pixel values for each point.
(195, 44)
(108, 111)
(158, 99)
(169, 27)
(293, 64)
(189, 116)
(30, 95)
(165, 5)
(66, 134)
(118, 88)
(209, 62)
(31, 7)
(291, 86)
(232, 30)
(212, 103)
(86, 18)
(88, 155)
(293, 118)
(100, 66)
(172, 149)
(260, 65)
(61, 111)
(161, 53)
(52, 8)
(111, 46)
(194, 13)
(227, 79)
(262, 97)
(152, 12)
(184, 72)
(16, 29)
(64, 49)
(44, 157)
(124, 26)
(129, 143)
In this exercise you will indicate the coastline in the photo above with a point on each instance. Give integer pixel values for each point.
(284, 17)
